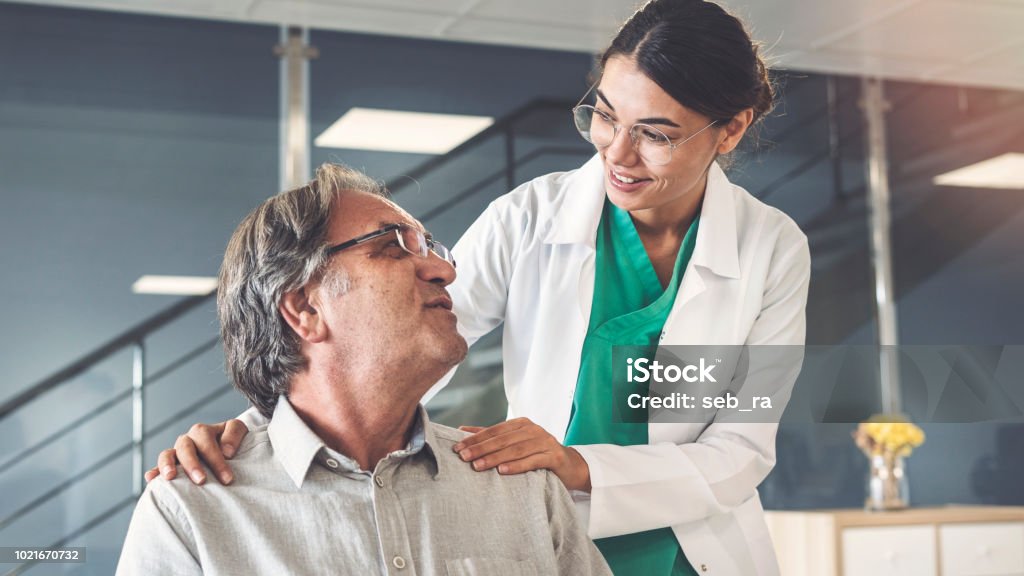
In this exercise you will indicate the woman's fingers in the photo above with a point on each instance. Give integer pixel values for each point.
(566, 463)
(497, 443)
(209, 443)
(167, 463)
(491, 432)
(185, 450)
(205, 439)
(533, 462)
(519, 446)
(152, 473)
(234, 432)
(526, 448)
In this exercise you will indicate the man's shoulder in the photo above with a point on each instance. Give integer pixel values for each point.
(447, 437)
(248, 465)
(255, 445)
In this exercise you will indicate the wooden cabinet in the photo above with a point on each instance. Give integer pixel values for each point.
(947, 541)
(996, 548)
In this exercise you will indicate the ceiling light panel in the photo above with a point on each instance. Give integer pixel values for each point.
(1006, 171)
(399, 131)
(175, 285)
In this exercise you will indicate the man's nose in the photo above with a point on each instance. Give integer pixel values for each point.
(436, 270)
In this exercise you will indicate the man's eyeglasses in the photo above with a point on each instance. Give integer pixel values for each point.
(410, 239)
(600, 129)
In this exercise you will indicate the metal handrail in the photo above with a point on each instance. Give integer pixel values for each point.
(92, 523)
(103, 516)
(110, 403)
(500, 126)
(907, 99)
(494, 177)
(94, 413)
(120, 451)
(118, 343)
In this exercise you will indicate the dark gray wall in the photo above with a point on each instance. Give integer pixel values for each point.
(129, 146)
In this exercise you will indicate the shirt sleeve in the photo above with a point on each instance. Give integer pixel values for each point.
(159, 540)
(679, 483)
(575, 552)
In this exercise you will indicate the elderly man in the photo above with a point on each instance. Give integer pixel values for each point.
(335, 321)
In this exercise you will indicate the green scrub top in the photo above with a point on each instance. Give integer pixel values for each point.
(629, 309)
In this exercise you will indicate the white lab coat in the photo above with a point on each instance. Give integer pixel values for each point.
(528, 261)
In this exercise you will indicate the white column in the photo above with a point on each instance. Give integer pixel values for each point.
(879, 203)
(138, 417)
(295, 54)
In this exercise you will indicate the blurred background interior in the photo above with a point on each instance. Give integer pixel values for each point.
(135, 134)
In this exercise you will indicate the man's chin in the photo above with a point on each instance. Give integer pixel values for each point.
(459, 350)
(449, 348)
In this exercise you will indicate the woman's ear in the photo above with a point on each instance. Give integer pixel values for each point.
(734, 130)
(299, 310)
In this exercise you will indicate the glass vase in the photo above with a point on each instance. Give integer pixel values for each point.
(888, 488)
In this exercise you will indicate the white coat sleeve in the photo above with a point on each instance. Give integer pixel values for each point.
(483, 258)
(675, 484)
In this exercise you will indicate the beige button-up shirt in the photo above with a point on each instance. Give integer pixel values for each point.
(298, 507)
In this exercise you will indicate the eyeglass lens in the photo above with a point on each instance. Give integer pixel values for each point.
(415, 242)
(596, 128)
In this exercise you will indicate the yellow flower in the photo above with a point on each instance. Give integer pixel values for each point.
(890, 433)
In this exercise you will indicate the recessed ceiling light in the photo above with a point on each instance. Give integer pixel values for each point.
(1006, 171)
(175, 285)
(396, 131)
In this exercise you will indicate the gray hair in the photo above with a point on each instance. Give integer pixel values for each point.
(279, 247)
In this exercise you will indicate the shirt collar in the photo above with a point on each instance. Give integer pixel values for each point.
(296, 446)
(443, 462)
(578, 214)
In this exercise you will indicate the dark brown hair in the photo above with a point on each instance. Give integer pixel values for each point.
(700, 55)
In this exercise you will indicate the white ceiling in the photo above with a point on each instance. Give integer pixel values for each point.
(967, 42)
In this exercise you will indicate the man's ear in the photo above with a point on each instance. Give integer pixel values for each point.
(299, 309)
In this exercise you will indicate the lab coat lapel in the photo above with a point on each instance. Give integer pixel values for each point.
(715, 257)
(717, 243)
(575, 221)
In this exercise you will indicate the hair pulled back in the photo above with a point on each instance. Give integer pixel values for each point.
(700, 55)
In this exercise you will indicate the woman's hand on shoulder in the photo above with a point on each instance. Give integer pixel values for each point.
(212, 444)
(520, 445)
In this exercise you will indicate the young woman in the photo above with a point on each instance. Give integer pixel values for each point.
(648, 243)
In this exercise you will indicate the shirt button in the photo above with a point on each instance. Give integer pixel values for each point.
(703, 567)
(332, 463)
(399, 562)
(380, 482)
